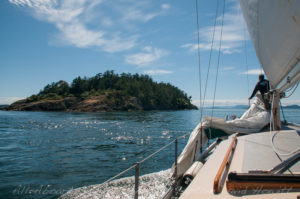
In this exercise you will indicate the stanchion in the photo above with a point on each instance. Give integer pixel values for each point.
(175, 163)
(136, 182)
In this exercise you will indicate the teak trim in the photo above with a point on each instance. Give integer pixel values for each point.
(248, 181)
(226, 161)
(237, 186)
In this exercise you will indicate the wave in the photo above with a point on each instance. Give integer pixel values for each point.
(154, 185)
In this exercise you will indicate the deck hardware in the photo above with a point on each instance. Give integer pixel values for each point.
(286, 164)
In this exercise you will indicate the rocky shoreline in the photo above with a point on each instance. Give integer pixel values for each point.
(74, 104)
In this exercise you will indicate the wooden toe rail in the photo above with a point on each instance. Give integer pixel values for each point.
(226, 162)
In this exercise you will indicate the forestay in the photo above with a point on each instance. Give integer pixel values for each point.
(274, 27)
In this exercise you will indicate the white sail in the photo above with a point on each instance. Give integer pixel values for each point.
(274, 27)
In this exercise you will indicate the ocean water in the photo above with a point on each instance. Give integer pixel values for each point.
(46, 154)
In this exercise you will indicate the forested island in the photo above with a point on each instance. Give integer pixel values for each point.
(106, 91)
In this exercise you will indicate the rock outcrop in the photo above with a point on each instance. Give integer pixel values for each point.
(73, 104)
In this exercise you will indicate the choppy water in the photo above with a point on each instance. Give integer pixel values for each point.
(46, 154)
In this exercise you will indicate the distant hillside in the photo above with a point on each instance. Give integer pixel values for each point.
(229, 107)
(3, 105)
(246, 107)
(241, 107)
(291, 107)
(106, 92)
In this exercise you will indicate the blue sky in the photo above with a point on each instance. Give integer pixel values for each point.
(51, 40)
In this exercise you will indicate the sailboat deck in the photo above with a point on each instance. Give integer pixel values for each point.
(253, 152)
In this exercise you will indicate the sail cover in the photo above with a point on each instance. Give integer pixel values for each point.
(274, 27)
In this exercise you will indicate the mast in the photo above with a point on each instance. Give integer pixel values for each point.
(275, 109)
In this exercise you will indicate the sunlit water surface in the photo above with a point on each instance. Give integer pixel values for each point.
(46, 154)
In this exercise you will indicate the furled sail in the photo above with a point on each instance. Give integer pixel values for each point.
(252, 121)
(274, 27)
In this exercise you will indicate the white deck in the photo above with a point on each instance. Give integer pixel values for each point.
(253, 152)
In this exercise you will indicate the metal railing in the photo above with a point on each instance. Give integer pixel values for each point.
(137, 167)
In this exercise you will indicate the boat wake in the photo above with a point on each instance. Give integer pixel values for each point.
(154, 185)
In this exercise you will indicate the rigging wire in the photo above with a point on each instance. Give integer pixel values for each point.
(295, 87)
(282, 154)
(246, 54)
(199, 64)
(290, 88)
(275, 133)
(199, 68)
(218, 64)
(246, 58)
(282, 112)
(211, 51)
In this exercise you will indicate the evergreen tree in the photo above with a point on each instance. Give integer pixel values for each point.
(119, 88)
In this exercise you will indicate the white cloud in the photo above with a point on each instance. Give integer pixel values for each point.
(157, 72)
(137, 15)
(227, 68)
(107, 21)
(136, 12)
(165, 6)
(78, 22)
(253, 72)
(232, 37)
(147, 57)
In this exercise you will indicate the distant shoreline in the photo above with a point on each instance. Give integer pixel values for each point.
(92, 104)
(5, 107)
(246, 107)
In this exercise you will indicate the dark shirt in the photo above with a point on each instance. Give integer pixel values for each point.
(261, 86)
